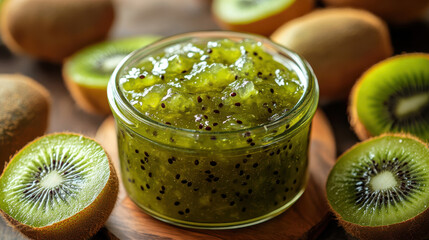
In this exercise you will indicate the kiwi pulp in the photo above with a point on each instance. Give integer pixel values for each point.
(379, 188)
(60, 186)
(87, 72)
(393, 96)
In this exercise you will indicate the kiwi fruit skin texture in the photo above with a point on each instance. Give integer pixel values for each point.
(24, 113)
(265, 26)
(51, 30)
(398, 12)
(410, 229)
(340, 44)
(83, 224)
(93, 99)
(358, 127)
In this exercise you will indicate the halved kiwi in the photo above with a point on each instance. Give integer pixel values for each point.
(24, 113)
(393, 11)
(379, 189)
(60, 186)
(392, 96)
(258, 16)
(52, 30)
(87, 72)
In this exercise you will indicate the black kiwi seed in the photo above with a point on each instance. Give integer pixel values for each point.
(71, 180)
(407, 182)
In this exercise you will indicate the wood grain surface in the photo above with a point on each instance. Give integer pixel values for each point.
(304, 219)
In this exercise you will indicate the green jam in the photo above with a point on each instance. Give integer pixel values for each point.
(217, 86)
(206, 155)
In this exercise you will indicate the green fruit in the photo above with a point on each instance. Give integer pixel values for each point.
(379, 188)
(393, 96)
(87, 72)
(257, 16)
(24, 113)
(60, 186)
(52, 30)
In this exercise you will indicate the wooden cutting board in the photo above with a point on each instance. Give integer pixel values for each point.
(304, 220)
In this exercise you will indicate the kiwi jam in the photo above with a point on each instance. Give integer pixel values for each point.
(213, 131)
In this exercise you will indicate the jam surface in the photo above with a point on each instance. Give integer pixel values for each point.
(219, 85)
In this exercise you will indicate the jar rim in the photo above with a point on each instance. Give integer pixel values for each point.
(310, 95)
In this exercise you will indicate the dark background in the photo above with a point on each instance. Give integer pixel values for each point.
(165, 18)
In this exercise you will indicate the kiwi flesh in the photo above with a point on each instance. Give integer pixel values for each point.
(51, 30)
(378, 189)
(87, 72)
(258, 16)
(24, 113)
(393, 11)
(60, 186)
(392, 96)
(340, 44)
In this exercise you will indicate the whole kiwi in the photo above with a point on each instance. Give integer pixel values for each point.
(339, 44)
(52, 30)
(393, 11)
(24, 113)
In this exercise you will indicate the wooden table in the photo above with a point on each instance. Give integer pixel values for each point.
(169, 17)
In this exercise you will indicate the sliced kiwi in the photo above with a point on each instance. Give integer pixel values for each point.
(258, 16)
(87, 72)
(60, 186)
(24, 113)
(379, 189)
(393, 96)
(52, 30)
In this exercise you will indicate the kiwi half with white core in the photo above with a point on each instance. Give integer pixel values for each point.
(393, 96)
(87, 72)
(258, 16)
(60, 186)
(245, 11)
(379, 189)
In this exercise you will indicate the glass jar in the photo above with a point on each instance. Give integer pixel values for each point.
(214, 180)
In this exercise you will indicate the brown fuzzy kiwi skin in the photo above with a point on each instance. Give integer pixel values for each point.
(340, 44)
(397, 12)
(415, 228)
(268, 25)
(25, 106)
(52, 30)
(82, 225)
(357, 126)
(91, 99)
